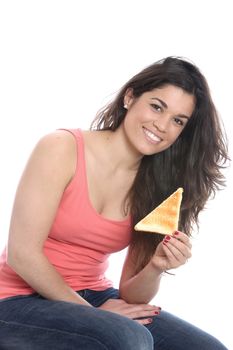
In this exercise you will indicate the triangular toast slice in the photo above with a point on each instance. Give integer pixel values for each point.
(164, 218)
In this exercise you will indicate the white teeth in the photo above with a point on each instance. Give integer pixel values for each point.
(152, 136)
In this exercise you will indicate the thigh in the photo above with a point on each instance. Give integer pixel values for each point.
(170, 332)
(34, 323)
(26, 337)
(97, 298)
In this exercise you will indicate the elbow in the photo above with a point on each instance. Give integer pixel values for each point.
(21, 258)
(135, 297)
(124, 293)
(129, 300)
(17, 258)
(10, 256)
(13, 258)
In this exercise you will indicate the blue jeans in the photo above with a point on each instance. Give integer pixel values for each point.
(34, 323)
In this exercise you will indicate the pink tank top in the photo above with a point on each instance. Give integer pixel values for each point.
(80, 240)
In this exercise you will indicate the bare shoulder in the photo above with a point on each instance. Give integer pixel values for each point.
(56, 153)
(59, 139)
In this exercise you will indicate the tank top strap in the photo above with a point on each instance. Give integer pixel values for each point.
(81, 168)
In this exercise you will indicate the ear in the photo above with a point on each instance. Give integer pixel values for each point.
(128, 98)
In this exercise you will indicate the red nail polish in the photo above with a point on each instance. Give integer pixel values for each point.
(156, 312)
(150, 320)
(176, 233)
(167, 238)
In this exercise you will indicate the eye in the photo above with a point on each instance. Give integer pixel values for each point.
(179, 121)
(157, 107)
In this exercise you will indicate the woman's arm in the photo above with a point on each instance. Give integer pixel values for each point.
(171, 253)
(48, 172)
(140, 287)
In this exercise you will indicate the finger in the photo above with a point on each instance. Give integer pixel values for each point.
(180, 246)
(144, 307)
(170, 253)
(149, 307)
(135, 313)
(181, 236)
(174, 255)
(118, 301)
(144, 321)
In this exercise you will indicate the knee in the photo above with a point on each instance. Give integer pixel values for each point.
(135, 336)
(118, 332)
(109, 329)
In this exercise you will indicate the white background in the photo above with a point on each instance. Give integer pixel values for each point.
(60, 61)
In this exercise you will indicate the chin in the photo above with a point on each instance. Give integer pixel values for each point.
(154, 151)
(150, 152)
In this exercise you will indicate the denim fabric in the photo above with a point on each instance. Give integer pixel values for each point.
(97, 298)
(34, 323)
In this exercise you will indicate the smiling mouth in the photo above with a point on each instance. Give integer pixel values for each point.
(151, 136)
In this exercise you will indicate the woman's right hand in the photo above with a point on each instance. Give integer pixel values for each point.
(142, 313)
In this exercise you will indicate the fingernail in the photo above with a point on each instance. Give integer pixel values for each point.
(150, 320)
(167, 238)
(156, 313)
(176, 233)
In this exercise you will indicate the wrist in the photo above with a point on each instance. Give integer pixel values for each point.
(156, 269)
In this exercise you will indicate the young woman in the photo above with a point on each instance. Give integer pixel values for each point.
(77, 202)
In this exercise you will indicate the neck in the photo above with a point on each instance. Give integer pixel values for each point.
(119, 152)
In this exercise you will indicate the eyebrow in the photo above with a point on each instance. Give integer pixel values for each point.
(166, 106)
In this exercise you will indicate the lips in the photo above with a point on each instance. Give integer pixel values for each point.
(151, 136)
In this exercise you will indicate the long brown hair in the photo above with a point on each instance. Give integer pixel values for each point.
(194, 162)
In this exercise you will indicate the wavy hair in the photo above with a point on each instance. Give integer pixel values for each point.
(195, 161)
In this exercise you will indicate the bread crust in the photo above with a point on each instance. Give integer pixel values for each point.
(163, 219)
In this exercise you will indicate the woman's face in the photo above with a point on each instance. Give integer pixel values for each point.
(154, 120)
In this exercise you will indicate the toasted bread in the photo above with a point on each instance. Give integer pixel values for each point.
(164, 218)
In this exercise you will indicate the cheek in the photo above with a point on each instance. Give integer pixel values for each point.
(131, 121)
(129, 126)
(175, 133)
(127, 123)
(172, 138)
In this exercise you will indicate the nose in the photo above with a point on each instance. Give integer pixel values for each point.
(161, 125)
